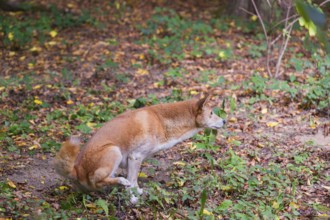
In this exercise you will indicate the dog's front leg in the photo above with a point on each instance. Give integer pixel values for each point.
(134, 165)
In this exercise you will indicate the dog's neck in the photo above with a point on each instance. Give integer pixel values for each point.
(179, 120)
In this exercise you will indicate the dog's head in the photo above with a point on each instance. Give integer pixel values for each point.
(205, 117)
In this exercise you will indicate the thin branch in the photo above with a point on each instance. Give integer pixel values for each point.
(287, 16)
(279, 61)
(323, 3)
(260, 19)
(284, 20)
(293, 22)
(290, 25)
(266, 36)
(248, 12)
(285, 43)
(276, 39)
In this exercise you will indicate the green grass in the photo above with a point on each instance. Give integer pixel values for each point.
(313, 93)
(172, 38)
(18, 31)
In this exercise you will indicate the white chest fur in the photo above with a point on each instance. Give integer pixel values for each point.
(170, 143)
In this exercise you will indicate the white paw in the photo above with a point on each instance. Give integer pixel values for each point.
(139, 191)
(124, 181)
(134, 199)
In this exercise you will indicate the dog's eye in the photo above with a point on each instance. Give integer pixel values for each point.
(211, 113)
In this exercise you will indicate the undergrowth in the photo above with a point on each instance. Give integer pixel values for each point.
(18, 31)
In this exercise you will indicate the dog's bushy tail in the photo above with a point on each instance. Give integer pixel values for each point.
(65, 158)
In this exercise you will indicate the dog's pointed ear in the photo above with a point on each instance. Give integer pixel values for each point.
(202, 102)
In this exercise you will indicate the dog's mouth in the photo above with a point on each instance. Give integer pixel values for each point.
(216, 126)
(220, 125)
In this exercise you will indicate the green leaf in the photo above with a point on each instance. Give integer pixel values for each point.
(203, 201)
(140, 102)
(226, 204)
(311, 29)
(84, 128)
(314, 20)
(220, 112)
(321, 208)
(310, 13)
(232, 104)
(104, 205)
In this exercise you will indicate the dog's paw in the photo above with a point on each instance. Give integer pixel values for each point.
(124, 181)
(135, 189)
(139, 191)
(134, 199)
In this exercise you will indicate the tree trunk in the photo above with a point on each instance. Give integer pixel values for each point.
(11, 5)
(243, 8)
(21, 5)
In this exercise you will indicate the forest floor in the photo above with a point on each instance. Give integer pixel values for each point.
(66, 72)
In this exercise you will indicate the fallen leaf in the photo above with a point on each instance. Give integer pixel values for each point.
(33, 147)
(272, 124)
(63, 187)
(35, 49)
(260, 145)
(10, 36)
(30, 65)
(326, 187)
(226, 188)
(207, 212)
(70, 5)
(52, 43)
(142, 72)
(222, 54)
(254, 18)
(53, 33)
(180, 163)
(157, 84)
(294, 205)
(11, 183)
(90, 124)
(181, 182)
(36, 87)
(91, 206)
(275, 205)
(233, 119)
(193, 92)
(37, 101)
(143, 175)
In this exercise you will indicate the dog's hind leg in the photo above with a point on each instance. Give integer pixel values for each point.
(104, 175)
